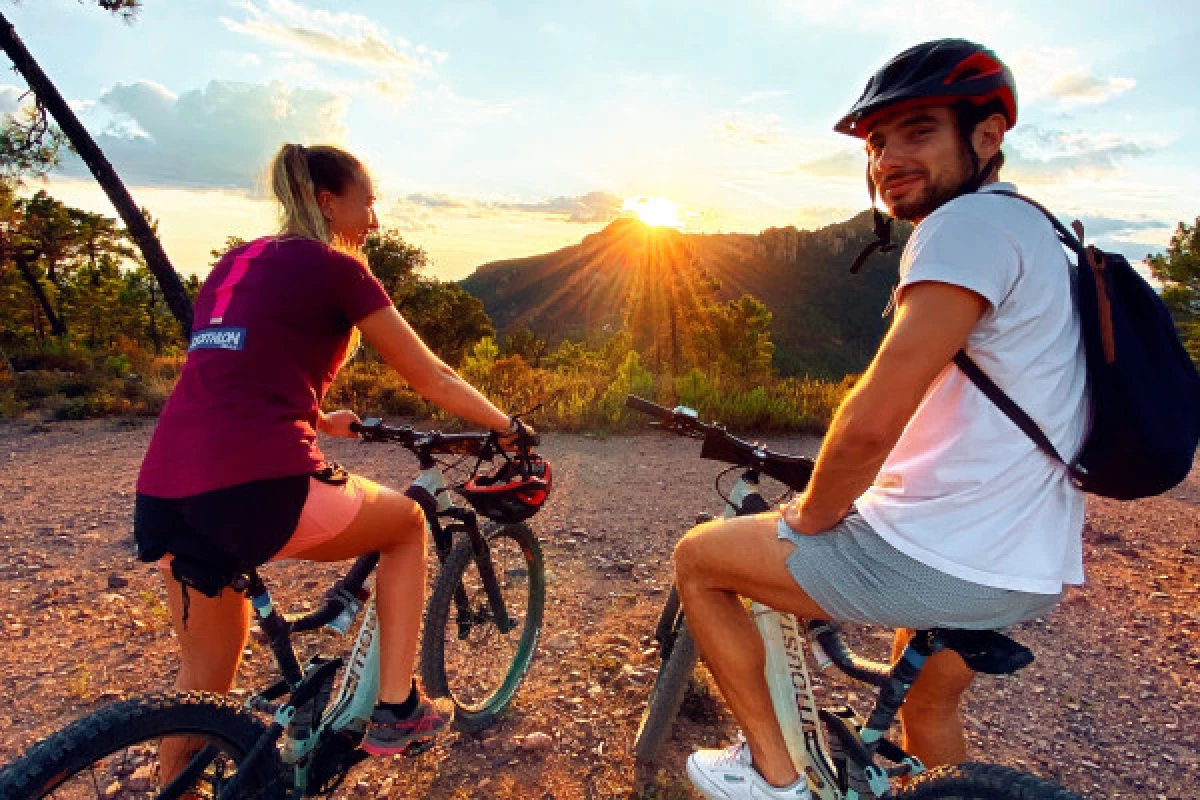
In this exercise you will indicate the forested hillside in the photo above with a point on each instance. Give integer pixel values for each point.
(824, 321)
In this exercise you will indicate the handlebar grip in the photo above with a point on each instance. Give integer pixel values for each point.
(646, 407)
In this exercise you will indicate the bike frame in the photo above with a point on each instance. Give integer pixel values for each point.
(787, 674)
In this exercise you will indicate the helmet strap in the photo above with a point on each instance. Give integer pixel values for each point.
(883, 230)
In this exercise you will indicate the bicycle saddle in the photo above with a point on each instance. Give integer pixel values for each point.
(990, 652)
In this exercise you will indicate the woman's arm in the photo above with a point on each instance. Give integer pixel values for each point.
(428, 375)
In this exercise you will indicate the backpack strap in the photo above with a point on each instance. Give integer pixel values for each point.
(1006, 404)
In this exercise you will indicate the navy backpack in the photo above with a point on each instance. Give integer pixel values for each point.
(1145, 391)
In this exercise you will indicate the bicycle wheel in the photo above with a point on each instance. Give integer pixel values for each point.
(113, 753)
(666, 696)
(973, 781)
(464, 654)
(664, 631)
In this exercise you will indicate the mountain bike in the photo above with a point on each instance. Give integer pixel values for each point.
(480, 633)
(844, 755)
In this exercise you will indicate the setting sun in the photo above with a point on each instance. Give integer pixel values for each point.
(655, 211)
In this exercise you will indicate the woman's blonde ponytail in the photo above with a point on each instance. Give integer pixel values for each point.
(292, 184)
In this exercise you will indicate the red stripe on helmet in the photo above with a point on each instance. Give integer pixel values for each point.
(978, 65)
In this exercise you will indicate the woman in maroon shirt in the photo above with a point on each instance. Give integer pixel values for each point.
(234, 468)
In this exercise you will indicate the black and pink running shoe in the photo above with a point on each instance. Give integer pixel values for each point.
(390, 734)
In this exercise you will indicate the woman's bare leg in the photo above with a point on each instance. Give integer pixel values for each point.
(394, 525)
(210, 651)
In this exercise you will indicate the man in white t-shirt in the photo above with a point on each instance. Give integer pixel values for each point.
(927, 507)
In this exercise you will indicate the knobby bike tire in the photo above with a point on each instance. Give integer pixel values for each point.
(441, 619)
(664, 631)
(974, 781)
(88, 741)
(666, 696)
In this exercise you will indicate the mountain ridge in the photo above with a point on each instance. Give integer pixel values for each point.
(826, 322)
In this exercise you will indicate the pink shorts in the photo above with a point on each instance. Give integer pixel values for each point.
(327, 512)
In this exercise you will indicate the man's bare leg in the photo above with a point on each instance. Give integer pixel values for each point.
(716, 565)
(930, 716)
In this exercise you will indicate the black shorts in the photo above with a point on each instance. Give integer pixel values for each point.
(239, 527)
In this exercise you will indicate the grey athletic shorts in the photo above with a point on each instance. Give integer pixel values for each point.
(856, 576)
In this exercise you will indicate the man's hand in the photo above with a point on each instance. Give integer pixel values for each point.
(800, 518)
(337, 423)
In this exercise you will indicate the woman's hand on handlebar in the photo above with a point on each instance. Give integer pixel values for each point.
(510, 438)
(337, 423)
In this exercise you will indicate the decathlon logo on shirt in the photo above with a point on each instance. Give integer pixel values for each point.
(218, 339)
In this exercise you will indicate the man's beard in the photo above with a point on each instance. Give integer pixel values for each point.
(934, 195)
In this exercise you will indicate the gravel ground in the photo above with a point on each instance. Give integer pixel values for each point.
(1109, 708)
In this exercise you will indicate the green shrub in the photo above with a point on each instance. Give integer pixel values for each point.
(35, 386)
(10, 406)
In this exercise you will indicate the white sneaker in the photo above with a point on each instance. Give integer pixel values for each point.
(730, 775)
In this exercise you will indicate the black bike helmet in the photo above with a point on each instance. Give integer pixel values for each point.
(941, 72)
(513, 493)
(947, 72)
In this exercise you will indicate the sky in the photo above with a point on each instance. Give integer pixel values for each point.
(498, 130)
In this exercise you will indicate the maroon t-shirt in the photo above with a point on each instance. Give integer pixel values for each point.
(271, 327)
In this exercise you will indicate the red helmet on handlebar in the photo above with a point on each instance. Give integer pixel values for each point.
(513, 493)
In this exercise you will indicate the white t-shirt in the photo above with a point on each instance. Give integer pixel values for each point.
(965, 490)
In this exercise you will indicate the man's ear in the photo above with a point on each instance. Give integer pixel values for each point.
(989, 136)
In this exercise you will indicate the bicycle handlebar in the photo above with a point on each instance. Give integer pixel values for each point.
(373, 429)
(720, 445)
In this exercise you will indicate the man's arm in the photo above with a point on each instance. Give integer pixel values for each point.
(932, 323)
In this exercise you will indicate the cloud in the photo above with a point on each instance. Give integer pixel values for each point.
(340, 36)
(437, 200)
(842, 164)
(592, 207)
(1078, 88)
(454, 109)
(1063, 77)
(220, 136)
(1116, 227)
(1042, 154)
(10, 99)
(388, 62)
(742, 129)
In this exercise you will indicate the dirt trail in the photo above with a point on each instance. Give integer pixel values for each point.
(1109, 708)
